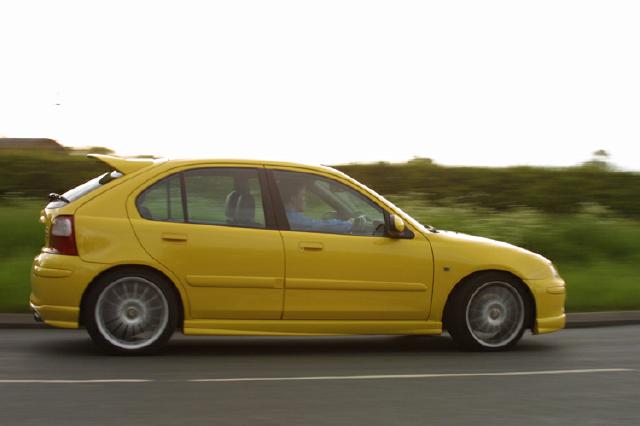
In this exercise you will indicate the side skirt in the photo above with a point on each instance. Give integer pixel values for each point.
(307, 327)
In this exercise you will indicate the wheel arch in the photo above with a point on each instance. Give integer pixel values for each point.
(133, 267)
(529, 298)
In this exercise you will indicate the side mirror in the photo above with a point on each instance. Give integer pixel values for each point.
(396, 226)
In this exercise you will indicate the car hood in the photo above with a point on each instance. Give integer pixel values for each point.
(483, 241)
(484, 253)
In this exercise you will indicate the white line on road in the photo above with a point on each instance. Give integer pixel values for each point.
(417, 376)
(281, 379)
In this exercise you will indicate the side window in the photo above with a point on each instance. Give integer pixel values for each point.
(224, 196)
(214, 196)
(162, 201)
(317, 204)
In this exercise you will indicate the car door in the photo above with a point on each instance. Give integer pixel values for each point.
(213, 228)
(340, 263)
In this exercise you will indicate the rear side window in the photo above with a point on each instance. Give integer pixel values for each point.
(163, 201)
(87, 187)
(214, 196)
(224, 196)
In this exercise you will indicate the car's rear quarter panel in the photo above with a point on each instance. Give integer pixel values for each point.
(104, 238)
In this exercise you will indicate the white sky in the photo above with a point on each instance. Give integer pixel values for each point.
(473, 83)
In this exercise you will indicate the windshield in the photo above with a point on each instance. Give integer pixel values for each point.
(82, 190)
(410, 219)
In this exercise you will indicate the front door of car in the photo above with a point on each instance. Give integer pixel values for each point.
(340, 265)
(210, 227)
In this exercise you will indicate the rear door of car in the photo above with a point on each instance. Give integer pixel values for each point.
(213, 227)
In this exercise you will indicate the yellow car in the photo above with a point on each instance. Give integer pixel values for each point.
(230, 247)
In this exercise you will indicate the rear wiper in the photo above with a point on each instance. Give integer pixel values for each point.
(57, 197)
(108, 177)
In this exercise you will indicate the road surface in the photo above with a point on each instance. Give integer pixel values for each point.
(574, 377)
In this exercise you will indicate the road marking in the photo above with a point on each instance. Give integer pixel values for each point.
(417, 376)
(281, 379)
(65, 381)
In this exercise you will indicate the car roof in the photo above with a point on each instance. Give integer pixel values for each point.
(128, 165)
(272, 163)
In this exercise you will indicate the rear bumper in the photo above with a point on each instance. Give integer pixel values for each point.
(550, 296)
(57, 285)
(56, 316)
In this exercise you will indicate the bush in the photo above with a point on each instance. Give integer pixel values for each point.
(549, 190)
(593, 233)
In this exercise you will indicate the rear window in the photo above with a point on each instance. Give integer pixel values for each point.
(87, 187)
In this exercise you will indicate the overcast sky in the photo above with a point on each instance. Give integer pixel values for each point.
(475, 83)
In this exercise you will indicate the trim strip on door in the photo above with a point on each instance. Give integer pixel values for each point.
(223, 281)
(321, 284)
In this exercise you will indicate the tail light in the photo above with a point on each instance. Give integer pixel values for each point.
(62, 239)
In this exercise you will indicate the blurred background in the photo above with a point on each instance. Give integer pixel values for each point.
(586, 218)
(512, 120)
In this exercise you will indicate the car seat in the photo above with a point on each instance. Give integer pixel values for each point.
(240, 206)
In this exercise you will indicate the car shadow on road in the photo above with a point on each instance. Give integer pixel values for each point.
(301, 346)
(250, 346)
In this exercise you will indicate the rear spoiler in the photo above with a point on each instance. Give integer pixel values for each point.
(123, 165)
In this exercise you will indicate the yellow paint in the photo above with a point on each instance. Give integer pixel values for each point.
(50, 272)
(65, 316)
(231, 281)
(550, 295)
(549, 324)
(308, 327)
(234, 280)
(123, 165)
(398, 224)
(316, 284)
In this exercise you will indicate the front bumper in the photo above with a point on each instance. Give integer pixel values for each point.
(550, 296)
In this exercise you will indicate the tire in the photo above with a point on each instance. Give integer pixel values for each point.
(131, 311)
(489, 312)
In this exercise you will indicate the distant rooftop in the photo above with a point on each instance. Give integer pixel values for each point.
(30, 144)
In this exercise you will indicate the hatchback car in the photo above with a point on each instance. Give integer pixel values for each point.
(229, 247)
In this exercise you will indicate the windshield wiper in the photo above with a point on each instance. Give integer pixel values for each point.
(57, 197)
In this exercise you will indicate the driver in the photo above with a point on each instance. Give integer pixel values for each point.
(293, 195)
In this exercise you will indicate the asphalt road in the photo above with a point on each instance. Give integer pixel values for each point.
(589, 377)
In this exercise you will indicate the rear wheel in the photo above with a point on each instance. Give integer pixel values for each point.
(131, 312)
(488, 313)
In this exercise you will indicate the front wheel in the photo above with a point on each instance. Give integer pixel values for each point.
(488, 313)
(131, 312)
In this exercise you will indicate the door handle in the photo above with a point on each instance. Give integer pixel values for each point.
(169, 236)
(310, 246)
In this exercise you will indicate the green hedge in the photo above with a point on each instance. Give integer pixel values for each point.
(36, 174)
(549, 190)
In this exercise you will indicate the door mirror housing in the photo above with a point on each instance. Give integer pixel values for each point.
(396, 226)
